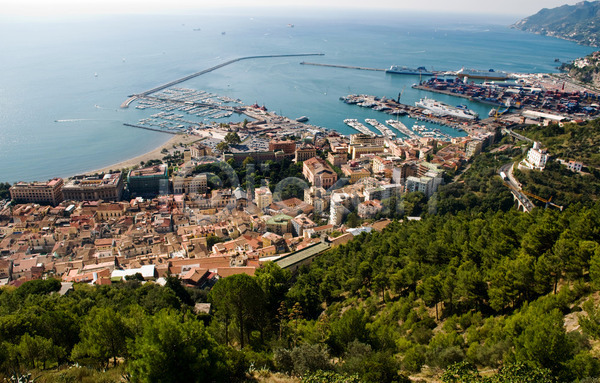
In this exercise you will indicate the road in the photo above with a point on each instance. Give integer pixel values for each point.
(515, 186)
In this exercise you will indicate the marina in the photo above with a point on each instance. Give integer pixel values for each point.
(133, 97)
(198, 108)
(385, 131)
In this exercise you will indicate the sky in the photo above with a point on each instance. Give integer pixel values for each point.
(42, 8)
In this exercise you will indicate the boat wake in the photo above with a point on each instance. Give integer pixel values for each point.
(80, 119)
(73, 120)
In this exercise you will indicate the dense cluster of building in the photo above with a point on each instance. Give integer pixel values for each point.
(106, 227)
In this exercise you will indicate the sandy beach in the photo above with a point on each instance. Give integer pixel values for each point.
(151, 155)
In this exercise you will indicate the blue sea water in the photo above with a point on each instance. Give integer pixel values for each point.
(58, 119)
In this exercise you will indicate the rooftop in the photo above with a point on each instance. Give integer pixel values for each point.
(301, 255)
(157, 170)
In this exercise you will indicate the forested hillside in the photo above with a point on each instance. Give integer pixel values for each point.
(475, 291)
(487, 288)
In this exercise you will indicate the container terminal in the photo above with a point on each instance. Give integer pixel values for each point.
(524, 93)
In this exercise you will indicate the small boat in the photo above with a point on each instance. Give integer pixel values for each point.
(302, 119)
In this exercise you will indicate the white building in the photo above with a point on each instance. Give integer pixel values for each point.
(369, 209)
(575, 166)
(536, 158)
(427, 184)
(383, 192)
(339, 208)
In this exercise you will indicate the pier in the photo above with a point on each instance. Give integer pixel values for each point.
(188, 77)
(403, 129)
(343, 66)
(385, 131)
(442, 91)
(152, 129)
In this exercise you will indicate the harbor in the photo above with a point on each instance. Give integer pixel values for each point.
(536, 91)
(393, 107)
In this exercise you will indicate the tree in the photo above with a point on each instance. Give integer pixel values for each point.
(351, 326)
(222, 146)
(248, 160)
(232, 138)
(274, 282)
(176, 348)
(353, 220)
(103, 335)
(38, 349)
(239, 297)
(461, 372)
(174, 284)
(431, 291)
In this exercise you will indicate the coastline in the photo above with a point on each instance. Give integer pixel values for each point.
(184, 139)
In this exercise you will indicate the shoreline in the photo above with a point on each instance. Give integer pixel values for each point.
(155, 153)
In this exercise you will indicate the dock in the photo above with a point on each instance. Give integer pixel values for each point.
(354, 124)
(442, 91)
(403, 129)
(387, 132)
(133, 97)
(343, 66)
(152, 129)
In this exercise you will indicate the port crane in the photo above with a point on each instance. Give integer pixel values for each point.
(548, 201)
(400, 94)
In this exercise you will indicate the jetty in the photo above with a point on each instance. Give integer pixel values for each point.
(382, 128)
(152, 129)
(343, 66)
(354, 124)
(403, 129)
(134, 97)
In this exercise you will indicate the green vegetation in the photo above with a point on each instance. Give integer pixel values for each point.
(493, 286)
(271, 171)
(571, 141)
(4, 190)
(565, 186)
(485, 289)
(588, 74)
(569, 22)
(475, 285)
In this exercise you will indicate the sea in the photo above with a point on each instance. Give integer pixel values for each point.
(63, 79)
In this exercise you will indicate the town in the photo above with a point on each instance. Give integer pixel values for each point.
(191, 215)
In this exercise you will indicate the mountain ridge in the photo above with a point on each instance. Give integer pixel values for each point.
(579, 23)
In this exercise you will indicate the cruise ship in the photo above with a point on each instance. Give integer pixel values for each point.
(482, 74)
(395, 69)
(442, 109)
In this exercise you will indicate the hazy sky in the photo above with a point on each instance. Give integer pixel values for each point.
(66, 7)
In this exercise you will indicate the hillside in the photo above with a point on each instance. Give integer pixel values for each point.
(585, 70)
(475, 282)
(579, 23)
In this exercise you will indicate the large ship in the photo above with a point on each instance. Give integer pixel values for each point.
(442, 109)
(395, 69)
(482, 74)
